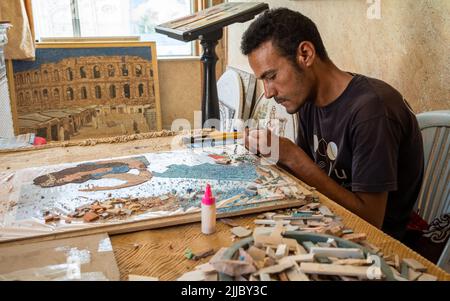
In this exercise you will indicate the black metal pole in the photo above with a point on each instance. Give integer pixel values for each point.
(75, 18)
(210, 100)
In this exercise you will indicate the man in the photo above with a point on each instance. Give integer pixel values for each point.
(359, 142)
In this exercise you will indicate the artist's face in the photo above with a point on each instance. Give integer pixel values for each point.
(290, 85)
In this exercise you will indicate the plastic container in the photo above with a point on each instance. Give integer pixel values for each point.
(208, 212)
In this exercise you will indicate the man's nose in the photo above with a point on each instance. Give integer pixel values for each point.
(269, 90)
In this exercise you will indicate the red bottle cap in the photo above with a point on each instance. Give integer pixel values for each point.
(208, 199)
(39, 141)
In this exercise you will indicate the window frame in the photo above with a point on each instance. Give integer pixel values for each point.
(196, 5)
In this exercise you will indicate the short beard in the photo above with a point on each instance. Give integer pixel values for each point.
(300, 72)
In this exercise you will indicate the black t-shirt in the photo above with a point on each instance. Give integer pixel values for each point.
(368, 140)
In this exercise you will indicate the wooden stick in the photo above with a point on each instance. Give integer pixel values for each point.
(333, 269)
(415, 265)
(338, 252)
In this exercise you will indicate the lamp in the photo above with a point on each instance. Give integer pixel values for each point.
(207, 26)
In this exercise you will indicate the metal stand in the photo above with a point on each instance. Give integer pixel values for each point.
(210, 100)
(207, 26)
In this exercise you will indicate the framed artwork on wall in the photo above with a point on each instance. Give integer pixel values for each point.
(87, 90)
(249, 86)
(231, 100)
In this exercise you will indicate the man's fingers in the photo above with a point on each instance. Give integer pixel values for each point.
(258, 141)
(252, 145)
(248, 133)
(246, 137)
(258, 134)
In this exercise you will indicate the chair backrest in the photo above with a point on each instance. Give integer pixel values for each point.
(434, 197)
(444, 260)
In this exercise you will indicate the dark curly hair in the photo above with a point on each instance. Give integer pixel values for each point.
(286, 29)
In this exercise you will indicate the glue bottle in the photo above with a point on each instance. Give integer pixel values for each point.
(208, 212)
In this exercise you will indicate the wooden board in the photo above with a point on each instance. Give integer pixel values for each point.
(80, 258)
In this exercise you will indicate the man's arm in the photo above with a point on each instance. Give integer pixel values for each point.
(369, 206)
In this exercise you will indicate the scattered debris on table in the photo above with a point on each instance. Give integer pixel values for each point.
(228, 222)
(241, 232)
(119, 208)
(272, 257)
(197, 256)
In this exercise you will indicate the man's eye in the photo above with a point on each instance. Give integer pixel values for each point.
(271, 77)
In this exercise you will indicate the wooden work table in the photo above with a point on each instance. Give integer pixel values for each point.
(161, 252)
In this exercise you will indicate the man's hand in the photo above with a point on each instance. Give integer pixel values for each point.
(369, 206)
(258, 142)
(263, 142)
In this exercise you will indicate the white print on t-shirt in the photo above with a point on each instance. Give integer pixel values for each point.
(326, 155)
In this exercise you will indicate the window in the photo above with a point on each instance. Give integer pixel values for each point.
(124, 70)
(36, 77)
(56, 94)
(97, 72)
(70, 95)
(138, 70)
(69, 74)
(83, 93)
(112, 91)
(101, 18)
(141, 90)
(126, 90)
(111, 71)
(98, 92)
(82, 72)
(36, 96)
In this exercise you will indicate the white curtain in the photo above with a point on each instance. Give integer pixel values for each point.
(21, 45)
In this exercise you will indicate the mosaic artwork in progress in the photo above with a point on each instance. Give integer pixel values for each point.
(153, 186)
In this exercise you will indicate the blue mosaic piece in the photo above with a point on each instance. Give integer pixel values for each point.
(242, 172)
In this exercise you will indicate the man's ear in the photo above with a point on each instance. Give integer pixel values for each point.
(306, 54)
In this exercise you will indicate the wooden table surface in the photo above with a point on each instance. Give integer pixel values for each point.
(160, 252)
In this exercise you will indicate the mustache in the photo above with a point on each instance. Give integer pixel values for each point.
(280, 99)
